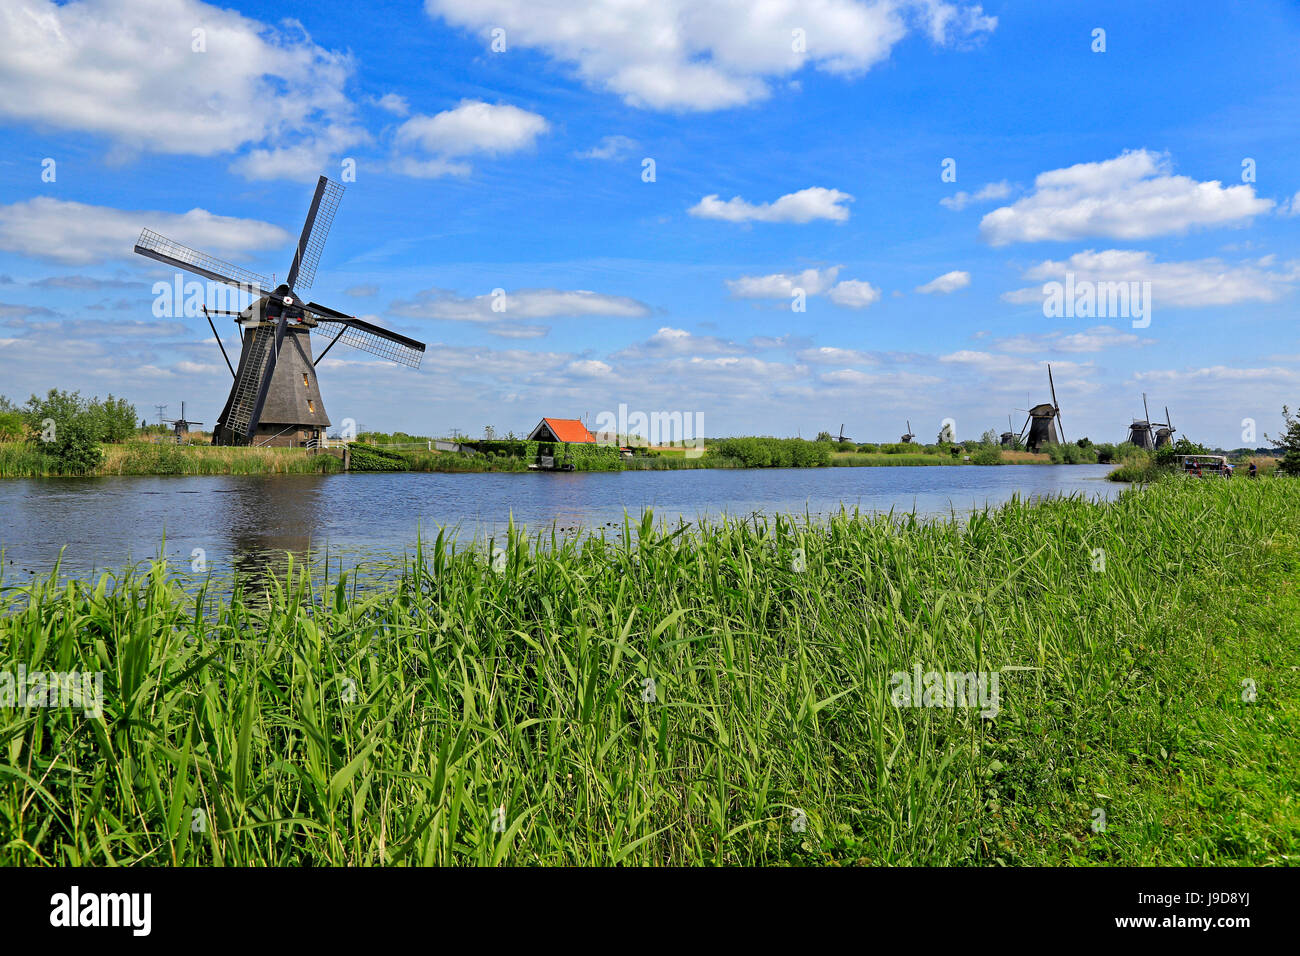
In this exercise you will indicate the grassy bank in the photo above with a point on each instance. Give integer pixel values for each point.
(23, 460)
(856, 460)
(472, 715)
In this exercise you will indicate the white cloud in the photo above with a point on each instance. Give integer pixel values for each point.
(961, 199)
(854, 294)
(1133, 196)
(1290, 207)
(669, 341)
(393, 103)
(948, 282)
(948, 23)
(709, 54)
(831, 355)
(1200, 282)
(472, 127)
(127, 71)
(589, 368)
(782, 285)
(610, 147)
(74, 233)
(803, 206)
(1095, 339)
(520, 304)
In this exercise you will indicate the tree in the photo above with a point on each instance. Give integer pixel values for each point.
(825, 436)
(1289, 442)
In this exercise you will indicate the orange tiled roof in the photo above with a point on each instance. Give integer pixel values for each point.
(569, 430)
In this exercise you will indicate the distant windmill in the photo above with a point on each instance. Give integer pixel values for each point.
(180, 426)
(1140, 433)
(274, 398)
(1044, 421)
(907, 439)
(842, 440)
(1008, 437)
(1165, 433)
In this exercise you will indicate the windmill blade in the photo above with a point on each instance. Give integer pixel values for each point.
(315, 230)
(1169, 422)
(1060, 426)
(1145, 408)
(366, 336)
(1025, 426)
(1052, 384)
(265, 387)
(174, 254)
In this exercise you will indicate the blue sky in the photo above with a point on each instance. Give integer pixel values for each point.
(523, 170)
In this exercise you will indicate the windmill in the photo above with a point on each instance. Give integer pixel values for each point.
(1008, 437)
(907, 439)
(842, 440)
(1165, 433)
(275, 398)
(1044, 421)
(1139, 433)
(180, 426)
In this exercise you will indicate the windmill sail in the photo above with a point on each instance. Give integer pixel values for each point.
(366, 336)
(173, 254)
(315, 230)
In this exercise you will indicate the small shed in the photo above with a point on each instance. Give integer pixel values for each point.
(567, 430)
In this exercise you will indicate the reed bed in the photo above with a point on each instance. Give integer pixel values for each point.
(24, 460)
(857, 459)
(718, 695)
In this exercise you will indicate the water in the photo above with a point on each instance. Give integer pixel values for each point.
(246, 522)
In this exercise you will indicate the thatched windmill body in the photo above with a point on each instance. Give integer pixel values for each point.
(1165, 431)
(275, 398)
(1140, 432)
(1044, 422)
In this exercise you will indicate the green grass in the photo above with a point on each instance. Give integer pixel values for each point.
(856, 459)
(322, 724)
(23, 460)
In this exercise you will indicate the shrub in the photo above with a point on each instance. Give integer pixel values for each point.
(987, 455)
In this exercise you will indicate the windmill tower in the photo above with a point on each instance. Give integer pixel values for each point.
(1008, 437)
(1044, 421)
(907, 439)
(1165, 433)
(275, 398)
(1139, 433)
(181, 426)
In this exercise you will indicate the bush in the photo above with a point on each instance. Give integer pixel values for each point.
(1289, 442)
(868, 449)
(987, 455)
(74, 448)
(772, 452)
(369, 458)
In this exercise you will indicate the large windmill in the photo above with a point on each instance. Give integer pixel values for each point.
(275, 399)
(1044, 421)
(907, 439)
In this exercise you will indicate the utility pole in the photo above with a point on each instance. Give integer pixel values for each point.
(162, 410)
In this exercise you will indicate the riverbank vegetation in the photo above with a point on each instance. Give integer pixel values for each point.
(719, 695)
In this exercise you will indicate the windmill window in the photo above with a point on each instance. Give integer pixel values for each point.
(311, 406)
(304, 379)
